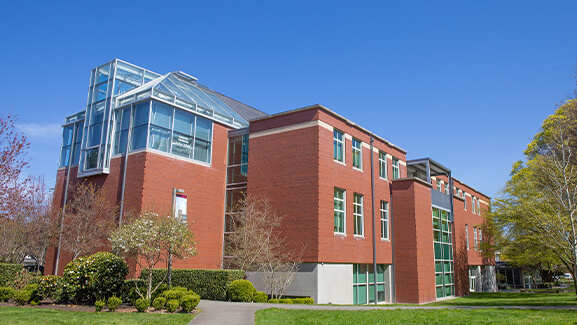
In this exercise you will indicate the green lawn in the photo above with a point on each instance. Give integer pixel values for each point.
(419, 316)
(511, 299)
(28, 315)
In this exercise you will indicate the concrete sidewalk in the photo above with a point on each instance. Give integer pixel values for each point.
(231, 313)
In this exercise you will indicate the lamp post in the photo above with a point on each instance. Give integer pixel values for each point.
(169, 267)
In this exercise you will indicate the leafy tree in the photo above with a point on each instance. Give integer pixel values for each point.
(148, 239)
(538, 206)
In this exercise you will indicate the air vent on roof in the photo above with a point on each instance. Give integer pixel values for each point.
(184, 76)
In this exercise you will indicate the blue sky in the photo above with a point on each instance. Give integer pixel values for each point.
(465, 83)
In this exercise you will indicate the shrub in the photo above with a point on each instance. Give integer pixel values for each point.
(113, 303)
(8, 274)
(273, 301)
(97, 276)
(189, 302)
(142, 305)
(209, 284)
(159, 303)
(172, 305)
(174, 294)
(285, 301)
(50, 286)
(259, 296)
(305, 301)
(241, 290)
(99, 304)
(22, 296)
(6, 293)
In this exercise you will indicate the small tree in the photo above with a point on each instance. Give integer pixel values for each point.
(148, 240)
(256, 244)
(87, 221)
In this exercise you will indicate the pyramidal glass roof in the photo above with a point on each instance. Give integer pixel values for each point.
(182, 90)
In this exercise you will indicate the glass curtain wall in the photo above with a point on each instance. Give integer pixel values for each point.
(106, 82)
(71, 140)
(236, 184)
(364, 283)
(164, 128)
(442, 239)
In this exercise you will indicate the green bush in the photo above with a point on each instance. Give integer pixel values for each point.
(94, 277)
(304, 301)
(260, 296)
(99, 304)
(6, 293)
(285, 301)
(241, 290)
(113, 303)
(172, 305)
(22, 296)
(209, 284)
(159, 303)
(273, 301)
(189, 302)
(9, 273)
(142, 305)
(50, 286)
(174, 294)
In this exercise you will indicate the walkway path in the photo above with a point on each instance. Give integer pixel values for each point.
(231, 313)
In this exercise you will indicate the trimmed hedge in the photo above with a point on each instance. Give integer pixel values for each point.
(304, 301)
(260, 296)
(9, 273)
(241, 290)
(208, 284)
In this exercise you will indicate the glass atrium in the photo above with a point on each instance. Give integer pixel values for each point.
(130, 108)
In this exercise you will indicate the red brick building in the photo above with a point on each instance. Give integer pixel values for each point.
(143, 135)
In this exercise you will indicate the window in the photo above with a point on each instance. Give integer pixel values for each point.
(475, 237)
(357, 154)
(339, 146)
(467, 235)
(478, 207)
(358, 213)
(480, 238)
(339, 207)
(447, 188)
(382, 165)
(465, 199)
(442, 241)
(66, 145)
(473, 203)
(439, 185)
(384, 220)
(122, 118)
(396, 170)
(364, 281)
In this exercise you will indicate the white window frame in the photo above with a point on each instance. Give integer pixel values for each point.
(439, 185)
(447, 188)
(341, 143)
(480, 238)
(384, 220)
(383, 165)
(478, 207)
(476, 239)
(358, 215)
(467, 235)
(473, 204)
(396, 167)
(465, 199)
(344, 211)
(360, 151)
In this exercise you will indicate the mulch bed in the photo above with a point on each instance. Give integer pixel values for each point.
(124, 308)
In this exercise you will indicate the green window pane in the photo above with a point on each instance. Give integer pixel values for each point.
(440, 292)
(380, 273)
(438, 266)
(438, 279)
(371, 274)
(362, 273)
(355, 295)
(446, 251)
(355, 273)
(436, 235)
(448, 291)
(381, 292)
(371, 294)
(362, 295)
(436, 223)
(438, 251)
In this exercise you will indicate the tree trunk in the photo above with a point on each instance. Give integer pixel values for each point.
(148, 292)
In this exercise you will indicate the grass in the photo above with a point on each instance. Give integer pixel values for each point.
(511, 299)
(419, 316)
(27, 315)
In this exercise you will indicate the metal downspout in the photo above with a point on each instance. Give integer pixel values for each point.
(376, 290)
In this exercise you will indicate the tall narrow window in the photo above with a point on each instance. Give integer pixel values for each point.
(358, 213)
(66, 145)
(475, 237)
(339, 209)
(467, 235)
(384, 220)
(439, 185)
(339, 146)
(396, 170)
(357, 154)
(447, 188)
(473, 203)
(480, 238)
(465, 199)
(478, 207)
(382, 165)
